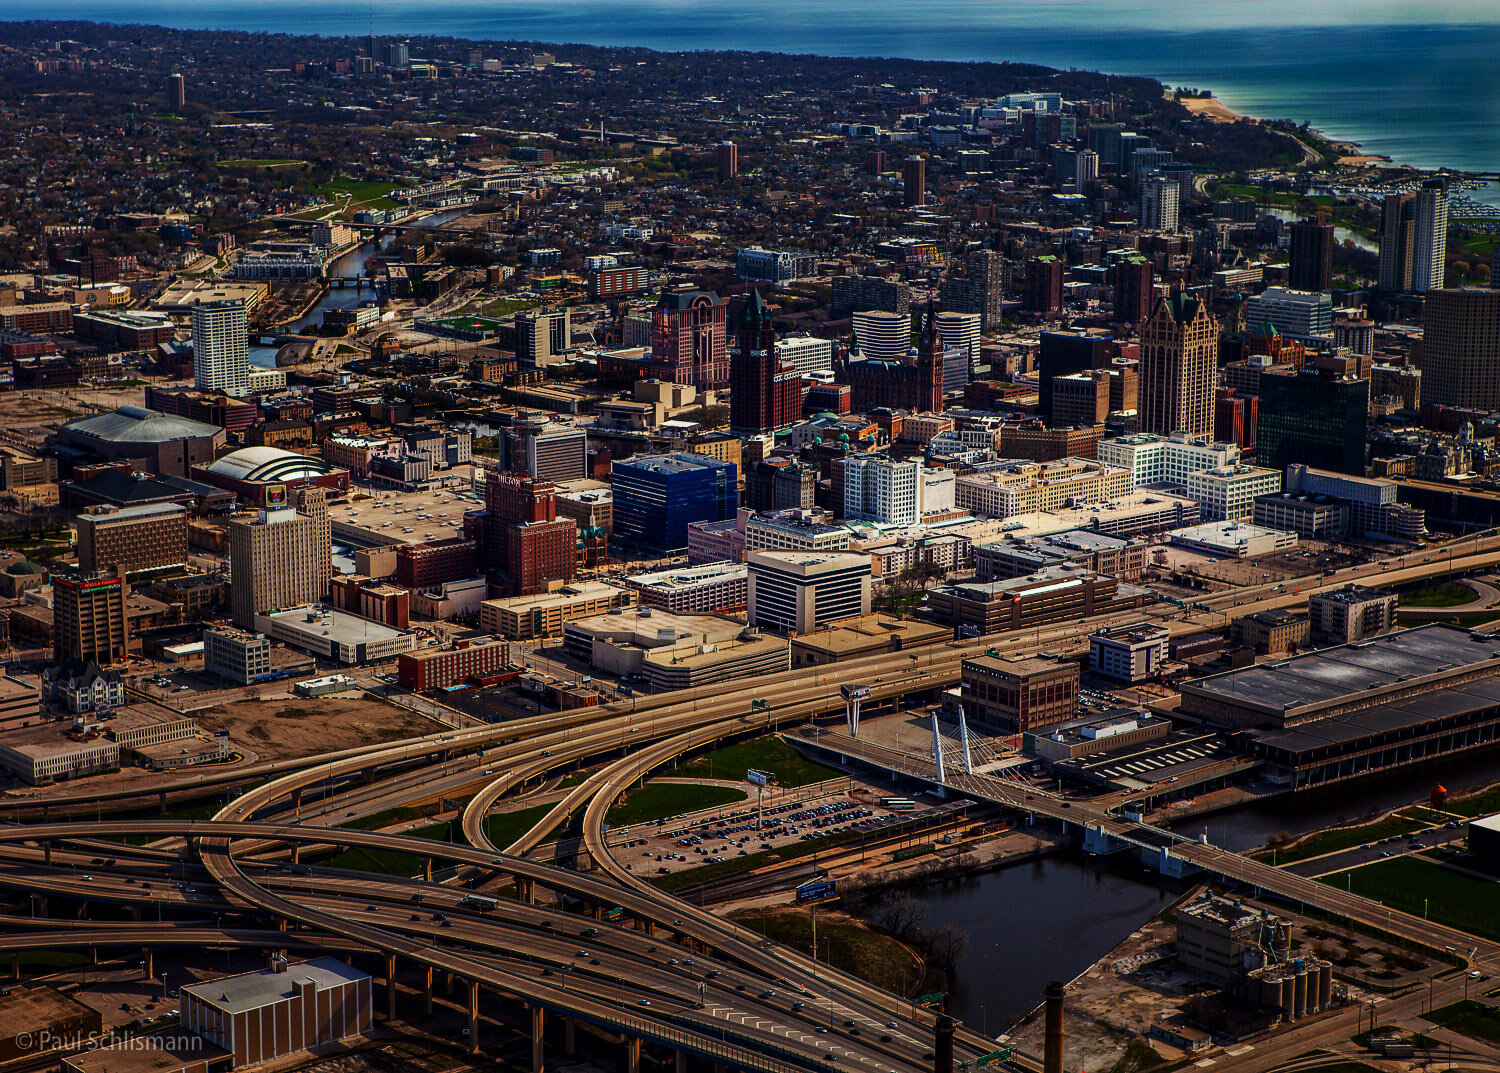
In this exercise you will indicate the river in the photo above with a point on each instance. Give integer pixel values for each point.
(1053, 918)
(348, 264)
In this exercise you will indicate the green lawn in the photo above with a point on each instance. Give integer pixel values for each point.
(1481, 804)
(389, 862)
(1448, 594)
(371, 194)
(503, 828)
(1421, 886)
(1473, 1019)
(769, 753)
(1344, 837)
(660, 799)
(392, 816)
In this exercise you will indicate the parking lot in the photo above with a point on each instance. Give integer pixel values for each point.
(678, 843)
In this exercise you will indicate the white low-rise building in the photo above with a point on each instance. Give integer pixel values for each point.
(1228, 494)
(1151, 458)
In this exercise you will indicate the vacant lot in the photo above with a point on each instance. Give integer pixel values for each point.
(1449, 594)
(763, 754)
(1473, 1019)
(290, 727)
(843, 942)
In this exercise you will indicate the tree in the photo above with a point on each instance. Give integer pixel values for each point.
(947, 945)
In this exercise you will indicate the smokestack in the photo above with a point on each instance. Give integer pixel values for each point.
(942, 1045)
(1052, 1056)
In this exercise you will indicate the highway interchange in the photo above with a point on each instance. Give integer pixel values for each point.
(665, 973)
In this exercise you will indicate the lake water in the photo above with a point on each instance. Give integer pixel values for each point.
(1413, 81)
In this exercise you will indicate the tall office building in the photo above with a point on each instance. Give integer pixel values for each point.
(547, 450)
(914, 182)
(1135, 289)
(177, 91)
(727, 159)
(1430, 237)
(1302, 315)
(981, 289)
(765, 393)
(1066, 353)
(1178, 366)
(960, 335)
(657, 496)
(1397, 225)
(882, 490)
(520, 536)
(1311, 267)
(688, 333)
(904, 378)
(875, 161)
(1461, 348)
(882, 336)
(1159, 204)
(852, 293)
(281, 557)
(801, 591)
(543, 337)
(1074, 171)
(221, 347)
(1310, 417)
(152, 536)
(1044, 284)
(88, 617)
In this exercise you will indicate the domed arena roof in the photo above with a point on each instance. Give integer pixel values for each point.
(136, 424)
(268, 464)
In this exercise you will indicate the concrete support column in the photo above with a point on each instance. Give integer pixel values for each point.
(161, 802)
(447, 983)
(598, 912)
(427, 869)
(538, 1028)
(296, 852)
(679, 1063)
(473, 1015)
(47, 854)
(148, 964)
(633, 1055)
(15, 971)
(570, 1034)
(93, 955)
(427, 991)
(390, 987)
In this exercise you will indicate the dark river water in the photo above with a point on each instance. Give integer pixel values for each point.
(1051, 919)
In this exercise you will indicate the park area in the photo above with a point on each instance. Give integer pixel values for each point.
(769, 754)
(1422, 887)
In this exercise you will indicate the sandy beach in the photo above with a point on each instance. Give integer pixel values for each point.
(1212, 107)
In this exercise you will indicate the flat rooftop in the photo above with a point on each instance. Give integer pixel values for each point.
(252, 990)
(327, 622)
(856, 634)
(167, 1050)
(691, 577)
(429, 515)
(31, 1009)
(1413, 712)
(1346, 670)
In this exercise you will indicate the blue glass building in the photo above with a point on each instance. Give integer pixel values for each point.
(657, 496)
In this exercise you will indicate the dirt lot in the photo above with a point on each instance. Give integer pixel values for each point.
(288, 727)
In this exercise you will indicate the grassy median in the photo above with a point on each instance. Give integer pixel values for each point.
(769, 753)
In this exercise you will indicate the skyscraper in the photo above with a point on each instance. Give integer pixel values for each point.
(980, 290)
(1398, 222)
(221, 347)
(899, 378)
(1135, 293)
(875, 161)
(727, 157)
(960, 334)
(281, 557)
(688, 332)
(1066, 353)
(914, 182)
(1430, 237)
(1044, 284)
(1074, 171)
(657, 496)
(88, 617)
(1311, 267)
(1313, 418)
(177, 91)
(520, 536)
(765, 394)
(1179, 366)
(1461, 348)
(1160, 204)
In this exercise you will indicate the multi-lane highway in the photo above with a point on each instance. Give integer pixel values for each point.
(667, 973)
